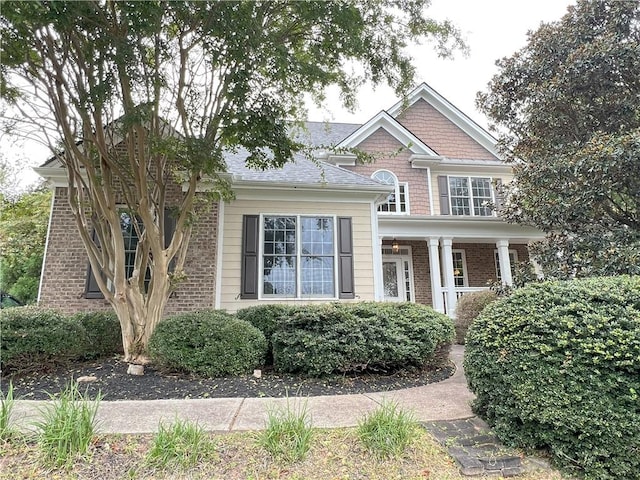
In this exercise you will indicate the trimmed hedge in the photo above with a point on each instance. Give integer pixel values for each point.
(104, 333)
(346, 337)
(266, 319)
(210, 343)
(34, 338)
(557, 365)
(469, 307)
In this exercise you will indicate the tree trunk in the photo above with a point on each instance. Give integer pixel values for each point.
(138, 318)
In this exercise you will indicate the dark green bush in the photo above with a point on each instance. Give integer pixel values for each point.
(347, 337)
(265, 318)
(208, 342)
(557, 365)
(469, 307)
(34, 339)
(103, 332)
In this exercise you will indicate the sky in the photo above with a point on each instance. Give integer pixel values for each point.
(492, 29)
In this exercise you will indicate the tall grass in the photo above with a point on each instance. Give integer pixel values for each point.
(68, 424)
(288, 432)
(388, 430)
(6, 407)
(180, 444)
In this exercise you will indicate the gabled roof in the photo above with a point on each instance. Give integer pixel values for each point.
(450, 111)
(393, 127)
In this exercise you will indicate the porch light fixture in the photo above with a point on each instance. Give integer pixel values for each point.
(395, 246)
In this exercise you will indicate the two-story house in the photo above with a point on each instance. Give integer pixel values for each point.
(416, 224)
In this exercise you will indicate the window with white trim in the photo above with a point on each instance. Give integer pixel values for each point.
(471, 196)
(459, 268)
(398, 201)
(513, 259)
(298, 257)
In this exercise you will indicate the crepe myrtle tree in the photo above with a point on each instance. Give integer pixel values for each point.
(134, 97)
(569, 102)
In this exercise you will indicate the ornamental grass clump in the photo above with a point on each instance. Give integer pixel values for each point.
(288, 432)
(388, 430)
(7, 403)
(181, 444)
(557, 366)
(67, 427)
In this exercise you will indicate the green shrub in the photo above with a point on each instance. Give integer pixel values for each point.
(340, 337)
(103, 333)
(557, 365)
(34, 338)
(208, 342)
(469, 307)
(266, 318)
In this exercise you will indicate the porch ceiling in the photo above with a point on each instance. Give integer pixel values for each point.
(462, 230)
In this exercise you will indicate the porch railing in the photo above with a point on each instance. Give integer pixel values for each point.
(460, 291)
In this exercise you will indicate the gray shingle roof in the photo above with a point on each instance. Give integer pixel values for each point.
(302, 170)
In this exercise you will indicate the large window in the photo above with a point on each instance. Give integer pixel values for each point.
(471, 196)
(513, 260)
(130, 237)
(298, 256)
(459, 269)
(397, 202)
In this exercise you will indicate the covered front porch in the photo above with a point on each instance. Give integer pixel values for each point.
(436, 260)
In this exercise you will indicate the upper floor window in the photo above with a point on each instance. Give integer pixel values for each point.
(471, 196)
(397, 201)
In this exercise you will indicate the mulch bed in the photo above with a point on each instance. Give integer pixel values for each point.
(114, 383)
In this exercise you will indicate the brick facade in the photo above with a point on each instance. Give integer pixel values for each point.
(66, 264)
(65, 267)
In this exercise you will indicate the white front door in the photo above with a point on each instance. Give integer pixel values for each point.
(397, 277)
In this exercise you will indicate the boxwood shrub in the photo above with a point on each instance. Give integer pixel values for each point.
(34, 339)
(266, 318)
(557, 365)
(104, 333)
(468, 308)
(209, 343)
(346, 337)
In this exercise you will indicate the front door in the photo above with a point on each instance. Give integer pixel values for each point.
(391, 275)
(397, 277)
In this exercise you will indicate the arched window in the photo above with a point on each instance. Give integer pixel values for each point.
(397, 201)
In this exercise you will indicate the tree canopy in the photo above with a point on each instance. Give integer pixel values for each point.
(136, 96)
(570, 101)
(23, 232)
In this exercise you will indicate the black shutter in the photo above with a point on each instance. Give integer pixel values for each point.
(91, 289)
(249, 272)
(169, 228)
(345, 259)
(443, 187)
(499, 195)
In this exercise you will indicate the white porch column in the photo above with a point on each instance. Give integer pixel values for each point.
(505, 263)
(449, 282)
(434, 268)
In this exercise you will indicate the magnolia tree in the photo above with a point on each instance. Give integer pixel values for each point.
(570, 102)
(136, 97)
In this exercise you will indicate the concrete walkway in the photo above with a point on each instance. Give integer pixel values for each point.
(446, 400)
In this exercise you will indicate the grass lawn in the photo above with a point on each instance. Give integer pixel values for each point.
(334, 454)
